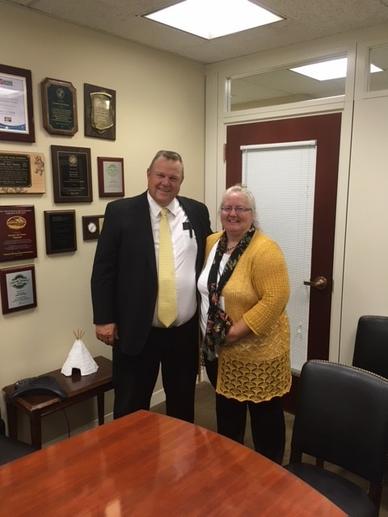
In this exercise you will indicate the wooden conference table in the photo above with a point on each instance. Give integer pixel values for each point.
(147, 464)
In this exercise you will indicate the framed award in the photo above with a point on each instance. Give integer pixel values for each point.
(22, 173)
(59, 107)
(100, 112)
(18, 288)
(110, 177)
(16, 108)
(17, 233)
(60, 231)
(72, 179)
(91, 227)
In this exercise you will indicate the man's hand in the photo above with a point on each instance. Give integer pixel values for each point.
(107, 333)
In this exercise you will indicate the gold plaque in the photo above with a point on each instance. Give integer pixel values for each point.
(101, 111)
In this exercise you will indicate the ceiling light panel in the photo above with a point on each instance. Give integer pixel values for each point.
(214, 18)
(326, 70)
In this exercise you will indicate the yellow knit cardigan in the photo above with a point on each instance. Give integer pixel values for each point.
(257, 367)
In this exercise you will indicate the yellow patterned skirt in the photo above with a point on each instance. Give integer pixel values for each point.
(256, 368)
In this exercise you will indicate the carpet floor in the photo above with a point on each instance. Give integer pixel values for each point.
(205, 417)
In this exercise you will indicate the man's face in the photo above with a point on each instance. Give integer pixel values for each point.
(164, 180)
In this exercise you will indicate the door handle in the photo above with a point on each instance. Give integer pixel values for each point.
(319, 282)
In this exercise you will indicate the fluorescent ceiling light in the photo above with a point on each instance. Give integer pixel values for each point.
(213, 18)
(326, 70)
(373, 69)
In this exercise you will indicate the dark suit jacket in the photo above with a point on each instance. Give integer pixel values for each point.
(124, 279)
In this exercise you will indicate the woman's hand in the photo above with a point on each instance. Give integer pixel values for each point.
(237, 331)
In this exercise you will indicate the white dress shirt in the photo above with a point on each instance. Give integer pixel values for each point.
(185, 255)
(203, 289)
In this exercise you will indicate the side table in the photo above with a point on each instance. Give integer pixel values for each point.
(77, 389)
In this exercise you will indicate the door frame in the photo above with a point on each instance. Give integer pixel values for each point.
(217, 120)
(324, 129)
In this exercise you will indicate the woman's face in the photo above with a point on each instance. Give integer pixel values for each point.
(236, 214)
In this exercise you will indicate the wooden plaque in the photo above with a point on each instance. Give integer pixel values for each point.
(22, 173)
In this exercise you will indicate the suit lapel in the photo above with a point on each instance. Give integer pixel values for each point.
(145, 227)
(193, 216)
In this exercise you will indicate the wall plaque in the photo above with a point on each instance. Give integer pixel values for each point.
(16, 108)
(91, 226)
(17, 233)
(18, 289)
(72, 178)
(21, 173)
(59, 107)
(100, 112)
(110, 177)
(60, 231)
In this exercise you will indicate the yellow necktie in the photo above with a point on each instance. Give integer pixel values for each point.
(167, 306)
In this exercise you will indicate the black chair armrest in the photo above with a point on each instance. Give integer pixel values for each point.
(2, 427)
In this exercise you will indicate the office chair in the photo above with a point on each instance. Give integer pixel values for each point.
(371, 345)
(341, 418)
(11, 449)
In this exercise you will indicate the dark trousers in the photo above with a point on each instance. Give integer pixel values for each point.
(134, 378)
(267, 420)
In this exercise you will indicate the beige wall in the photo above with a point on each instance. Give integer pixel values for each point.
(160, 104)
(366, 272)
(361, 245)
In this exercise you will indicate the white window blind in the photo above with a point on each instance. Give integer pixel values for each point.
(282, 179)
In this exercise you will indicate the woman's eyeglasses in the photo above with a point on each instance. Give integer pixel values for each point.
(237, 209)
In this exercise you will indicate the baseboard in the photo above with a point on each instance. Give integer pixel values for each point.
(203, 375)
(158, 397)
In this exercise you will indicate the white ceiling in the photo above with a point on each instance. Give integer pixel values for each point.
(305, 20)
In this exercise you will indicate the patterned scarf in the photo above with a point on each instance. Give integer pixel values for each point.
(218, 322)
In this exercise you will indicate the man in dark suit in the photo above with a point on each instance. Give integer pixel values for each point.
(125, 291)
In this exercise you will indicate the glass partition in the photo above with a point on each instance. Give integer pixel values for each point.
(284, 86)
(378, 68)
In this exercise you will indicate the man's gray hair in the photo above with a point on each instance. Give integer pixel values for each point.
(168, 155)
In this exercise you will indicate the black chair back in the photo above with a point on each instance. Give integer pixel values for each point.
(11, 449)
(371, 344)
(342, 417)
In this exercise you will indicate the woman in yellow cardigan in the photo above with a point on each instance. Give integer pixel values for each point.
(244, 291)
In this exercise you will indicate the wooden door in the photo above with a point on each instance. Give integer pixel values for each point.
(325, 130)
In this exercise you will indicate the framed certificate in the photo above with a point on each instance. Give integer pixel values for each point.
(100, 112)
(60, 231)
(59, 107)
(18, 289)
(16, 108)
(17, 233)
(72, 180)
(110, 177)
